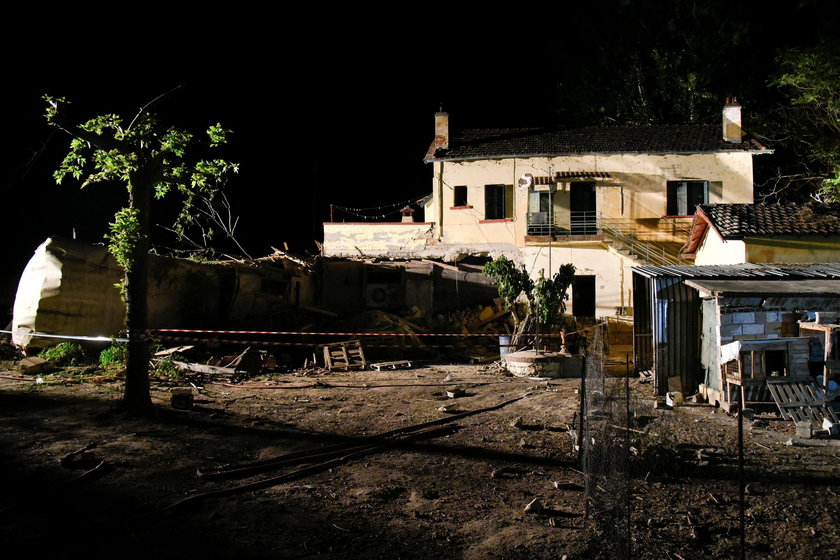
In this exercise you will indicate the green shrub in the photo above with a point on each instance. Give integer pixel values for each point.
(114, 356)
(64, 354)
(166, 368)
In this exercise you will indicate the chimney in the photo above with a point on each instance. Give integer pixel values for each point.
(407, 215)
(442, 130)
(732, 131)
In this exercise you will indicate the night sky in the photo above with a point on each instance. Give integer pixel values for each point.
(326, 108)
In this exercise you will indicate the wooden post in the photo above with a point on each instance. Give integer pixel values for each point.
(741, 490)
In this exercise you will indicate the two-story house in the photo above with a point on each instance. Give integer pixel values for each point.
(602, 198)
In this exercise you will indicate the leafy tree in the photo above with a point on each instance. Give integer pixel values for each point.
(546, 297)
(654, 63)
(808, 123)
(551, 295)
(151, 160)
(512, 282)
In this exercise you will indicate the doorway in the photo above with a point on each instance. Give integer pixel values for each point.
(583, 296)
(583, 208)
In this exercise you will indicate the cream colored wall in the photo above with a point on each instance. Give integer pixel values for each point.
(637, 188)
(613, 275)
(715, 250)
(376, 239)
(810, 249)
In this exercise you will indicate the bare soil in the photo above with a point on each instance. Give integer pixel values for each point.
(457, 495)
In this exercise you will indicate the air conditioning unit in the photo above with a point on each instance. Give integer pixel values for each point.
(382, 296)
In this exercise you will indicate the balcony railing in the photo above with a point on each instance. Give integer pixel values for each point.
(650, 240)
(564, 223)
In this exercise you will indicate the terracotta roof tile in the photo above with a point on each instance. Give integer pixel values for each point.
(736, 221)
(525, 142)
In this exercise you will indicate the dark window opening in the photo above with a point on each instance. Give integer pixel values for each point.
(684, 196)
(498, 202)
(274, 287)
(583, 206)
(383, 275)
(460, 195)
(776, 362)
(583, 296)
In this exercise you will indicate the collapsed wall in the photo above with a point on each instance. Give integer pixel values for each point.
(68, 288)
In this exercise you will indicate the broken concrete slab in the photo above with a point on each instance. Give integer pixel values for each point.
(34, 364)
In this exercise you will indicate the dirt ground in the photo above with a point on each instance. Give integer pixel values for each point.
(459, 494)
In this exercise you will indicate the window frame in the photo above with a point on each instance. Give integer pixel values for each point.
(460, 197)
(498, 206)
(673, 204)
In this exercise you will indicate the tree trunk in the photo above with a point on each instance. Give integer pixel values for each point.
(136, 397)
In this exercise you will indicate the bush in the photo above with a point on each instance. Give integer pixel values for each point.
(64, 354)
(166, 368)
(114, 356)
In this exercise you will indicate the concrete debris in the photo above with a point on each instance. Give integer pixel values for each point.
(34, 364)
(567, 485)
(534, 506)
(804, 429)
(173, 350)
(455, 392)
(182, 398)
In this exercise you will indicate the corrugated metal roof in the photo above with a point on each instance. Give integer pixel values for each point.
(760, 286)
(744, 270)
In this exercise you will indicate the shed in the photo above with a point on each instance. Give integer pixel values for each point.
(684, 314)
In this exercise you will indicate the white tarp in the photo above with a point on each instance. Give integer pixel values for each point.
(730, 352)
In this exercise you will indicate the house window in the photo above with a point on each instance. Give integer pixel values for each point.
(684, 196)
(460, 195)
(498, 202)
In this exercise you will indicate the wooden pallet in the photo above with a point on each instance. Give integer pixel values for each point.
(800, 401)
(344, 355)
(399, 364)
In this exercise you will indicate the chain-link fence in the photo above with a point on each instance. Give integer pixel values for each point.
(607, 450)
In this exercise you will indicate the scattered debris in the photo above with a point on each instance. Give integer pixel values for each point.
(173, 350)
(505, 472)
(206, 369)
(182, 398)
(34, 364)
(567, 485)
(455, 392)
(804, 429)
(534, 506)
(399, 364)
(82, 458)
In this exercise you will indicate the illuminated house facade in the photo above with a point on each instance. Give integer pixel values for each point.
(602, 198)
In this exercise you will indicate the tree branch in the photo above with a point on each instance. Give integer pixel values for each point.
(152, 102)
